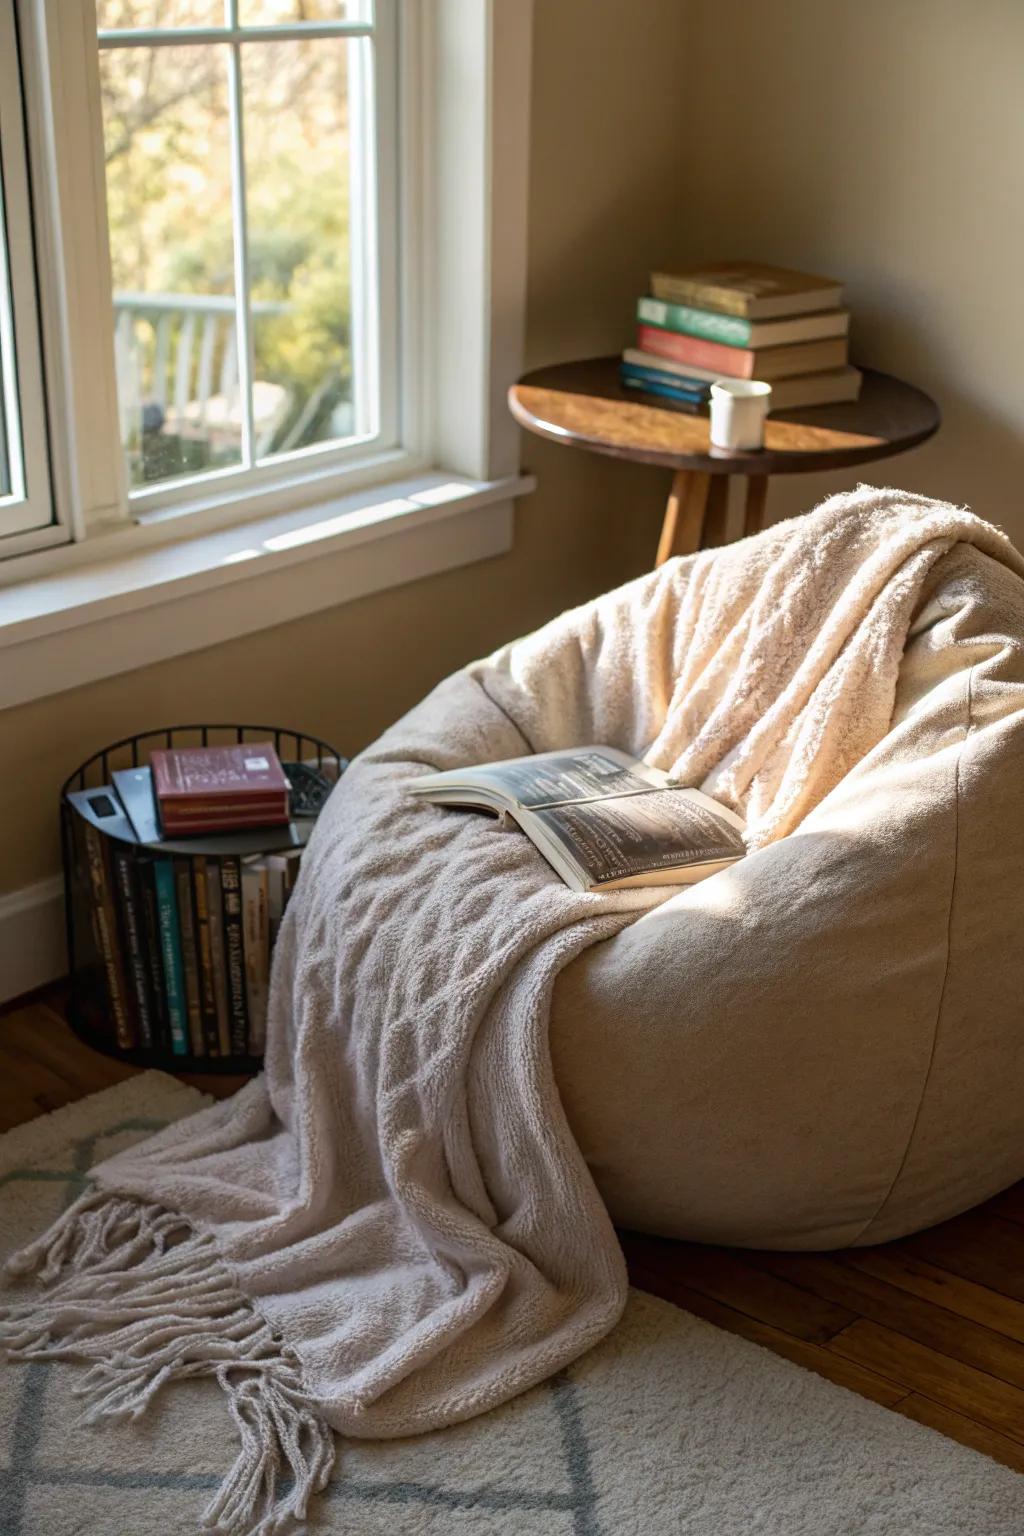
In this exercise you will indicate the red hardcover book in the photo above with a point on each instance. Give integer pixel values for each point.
(204, 824)
(740, 362)
(200, 789)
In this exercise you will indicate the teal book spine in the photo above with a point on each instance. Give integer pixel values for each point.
(687, 402)
(672, 383)
(170, 946)
(730, 330)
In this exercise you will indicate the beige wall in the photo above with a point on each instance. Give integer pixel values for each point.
(882, 141)
(602, 208)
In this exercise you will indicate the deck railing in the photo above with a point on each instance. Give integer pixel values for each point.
(176, 356)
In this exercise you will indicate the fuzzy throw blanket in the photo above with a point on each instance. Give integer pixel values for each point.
(392, 1229)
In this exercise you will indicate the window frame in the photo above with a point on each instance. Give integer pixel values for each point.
(464, 93)
(375, 188)
(28, 515)
(69, 178)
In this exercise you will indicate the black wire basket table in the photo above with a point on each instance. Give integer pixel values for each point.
(170, 939)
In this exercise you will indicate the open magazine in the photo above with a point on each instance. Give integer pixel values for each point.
(602, 819)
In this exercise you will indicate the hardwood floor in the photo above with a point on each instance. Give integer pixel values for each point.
(44, 1066)
(931, 1327)
(939, 1338)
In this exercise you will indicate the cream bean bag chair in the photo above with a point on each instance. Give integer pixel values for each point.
(824, 1045)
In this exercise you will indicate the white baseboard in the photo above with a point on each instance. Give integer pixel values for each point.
(32, 950)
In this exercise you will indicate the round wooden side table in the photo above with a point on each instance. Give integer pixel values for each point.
(584, 404)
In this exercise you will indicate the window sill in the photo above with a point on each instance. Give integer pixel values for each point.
(145, 605)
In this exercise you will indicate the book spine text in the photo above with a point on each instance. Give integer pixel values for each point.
(189, 957)
(204, 955)
(152, 948)
(215, 913)
(131, 931)
(257, 951)
(234, 953)
(105, 929)
(170, 949)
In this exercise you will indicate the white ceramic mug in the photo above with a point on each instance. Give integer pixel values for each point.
(738, 410)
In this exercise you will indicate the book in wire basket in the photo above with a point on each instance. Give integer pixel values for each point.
(171, 929)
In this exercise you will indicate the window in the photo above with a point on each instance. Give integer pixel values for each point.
(242, 203)
(219, 185)
(272, 255)
(25, 501)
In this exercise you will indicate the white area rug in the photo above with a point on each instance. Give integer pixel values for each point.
(668, 1426)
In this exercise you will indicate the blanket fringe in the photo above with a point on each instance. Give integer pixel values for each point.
(145, 1300)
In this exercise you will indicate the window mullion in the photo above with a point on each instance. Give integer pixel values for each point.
(243, 303)
(362, 243)
(388, 244)
(177, 37)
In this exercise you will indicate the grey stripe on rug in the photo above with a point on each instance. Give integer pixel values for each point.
(668, 1426)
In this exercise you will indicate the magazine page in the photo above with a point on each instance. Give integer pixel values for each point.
(640, 833)
(550, 778)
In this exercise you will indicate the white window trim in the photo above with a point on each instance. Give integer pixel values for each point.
(26, 513)
(466, 67)
(173, 598)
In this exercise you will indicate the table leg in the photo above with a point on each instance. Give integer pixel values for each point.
(684, 514)
(716, 513)
(753, 517)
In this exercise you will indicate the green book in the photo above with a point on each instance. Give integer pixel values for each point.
(170, 947)
(735, 331)
(730, 329)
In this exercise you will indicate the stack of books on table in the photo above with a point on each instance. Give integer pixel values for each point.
(184, 925)
(742, 320)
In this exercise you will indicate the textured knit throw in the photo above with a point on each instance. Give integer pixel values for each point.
(392, 1229)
